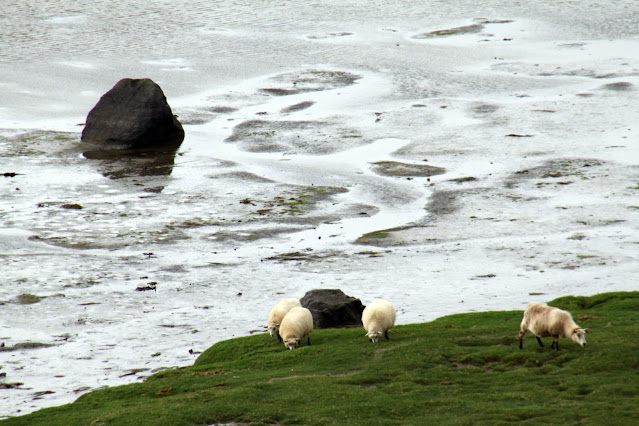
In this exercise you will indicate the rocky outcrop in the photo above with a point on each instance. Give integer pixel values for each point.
(333, 309)
(133, 115)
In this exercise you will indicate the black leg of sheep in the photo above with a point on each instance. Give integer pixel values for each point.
(308, 340)
(540, 342)
(555, 344)
(386, 335)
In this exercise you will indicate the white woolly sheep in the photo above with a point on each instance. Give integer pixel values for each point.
(297, 324)
(277, 314)
(544, 321)
(378, 318)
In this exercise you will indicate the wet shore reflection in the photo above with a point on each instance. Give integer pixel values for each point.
(124, 163)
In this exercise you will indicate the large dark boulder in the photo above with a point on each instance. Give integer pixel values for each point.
(333, 309)
(133, 115)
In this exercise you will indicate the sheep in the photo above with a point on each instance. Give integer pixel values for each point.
(297, 324)
(277, 314)
(544, 321)
(378, 318)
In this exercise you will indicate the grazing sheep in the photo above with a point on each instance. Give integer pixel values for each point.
(276, 315)
(378, 318)
(297, 324)
(544, 321)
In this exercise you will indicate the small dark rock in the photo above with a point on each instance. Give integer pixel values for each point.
(467, 29)
(15, 385)
(151, 286)
(40, 394)
(298, 107)
(333, 309)
(72, 206)
(25, 346)
(464, 179)
(553, 174)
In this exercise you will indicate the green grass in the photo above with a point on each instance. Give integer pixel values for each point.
(461, 369)
(28, 299)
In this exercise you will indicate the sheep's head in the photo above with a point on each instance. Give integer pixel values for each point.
(273, 328)
(374, 336)
(291, 343)
(579, 336)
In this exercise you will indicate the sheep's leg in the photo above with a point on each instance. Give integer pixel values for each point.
(279, 338)
(555, 342)
(308, 340)
(521, 339)
(540, 342)
(386, 335)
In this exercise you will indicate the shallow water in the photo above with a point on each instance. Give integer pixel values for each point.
(138, 265)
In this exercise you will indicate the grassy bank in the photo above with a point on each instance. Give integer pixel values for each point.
(459, 369)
